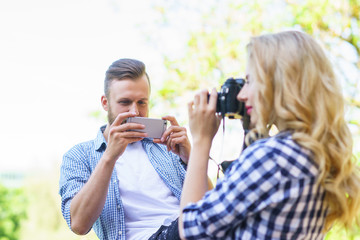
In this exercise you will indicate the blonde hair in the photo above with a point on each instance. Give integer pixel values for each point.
(297, 88)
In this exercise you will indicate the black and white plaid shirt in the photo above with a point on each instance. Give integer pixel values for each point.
(270, 192)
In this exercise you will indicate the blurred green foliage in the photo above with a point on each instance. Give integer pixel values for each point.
(45, 220)
(13, 205)
(215, 45)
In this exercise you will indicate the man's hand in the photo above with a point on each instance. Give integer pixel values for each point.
(119, 136)
(88, 203)
(176, 140)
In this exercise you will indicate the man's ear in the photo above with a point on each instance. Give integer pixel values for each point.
(104, 103)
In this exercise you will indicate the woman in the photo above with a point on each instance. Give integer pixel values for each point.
(293, 185)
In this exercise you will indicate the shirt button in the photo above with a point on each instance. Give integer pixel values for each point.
(118, 206)
(120, 232)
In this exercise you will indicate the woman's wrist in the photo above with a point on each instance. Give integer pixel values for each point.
(200, 148)
(202, 141)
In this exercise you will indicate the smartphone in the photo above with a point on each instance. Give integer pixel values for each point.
(154, 127)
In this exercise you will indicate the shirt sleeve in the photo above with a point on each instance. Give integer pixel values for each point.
(251, 184)
(74, 173)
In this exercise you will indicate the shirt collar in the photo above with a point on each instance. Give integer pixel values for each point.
(100, 142)
(147, 139)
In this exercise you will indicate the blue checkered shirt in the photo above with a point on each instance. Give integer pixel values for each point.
(270, 192)
(80, 161)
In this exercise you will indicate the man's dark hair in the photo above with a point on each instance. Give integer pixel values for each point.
(124, 68)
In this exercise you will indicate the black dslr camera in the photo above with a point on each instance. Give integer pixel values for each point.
(227, 104)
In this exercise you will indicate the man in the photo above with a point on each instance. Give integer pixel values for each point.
(122, 184)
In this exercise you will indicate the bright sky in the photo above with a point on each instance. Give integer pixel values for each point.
(53, 56)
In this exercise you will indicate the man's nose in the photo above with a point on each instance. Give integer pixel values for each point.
(134, 108)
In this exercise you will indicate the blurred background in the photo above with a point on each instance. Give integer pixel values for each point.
(54, 54)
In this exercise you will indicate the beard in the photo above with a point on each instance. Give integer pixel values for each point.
(111, 116)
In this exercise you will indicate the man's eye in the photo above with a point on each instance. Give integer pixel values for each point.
(124, 102)
(142, 103)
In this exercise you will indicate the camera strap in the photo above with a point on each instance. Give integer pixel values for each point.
(220, 165)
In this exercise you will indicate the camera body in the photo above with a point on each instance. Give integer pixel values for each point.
(227, 104)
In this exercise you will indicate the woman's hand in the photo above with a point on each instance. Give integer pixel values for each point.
(204, 122)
